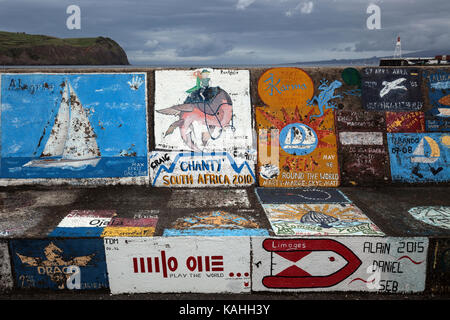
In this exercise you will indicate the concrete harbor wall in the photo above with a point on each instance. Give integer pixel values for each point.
(225, 180)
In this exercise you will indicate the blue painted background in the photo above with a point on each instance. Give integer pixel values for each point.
(438, 83)
(93, 276)
(116, 112)
(401, 152)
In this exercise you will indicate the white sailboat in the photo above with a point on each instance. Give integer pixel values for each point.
(295, 139)
(72, 142)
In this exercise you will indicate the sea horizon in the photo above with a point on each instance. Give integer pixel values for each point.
(107, 167)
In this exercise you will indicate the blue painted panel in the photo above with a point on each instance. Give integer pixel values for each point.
(60, 264)
(115, 108)
(77, 232)
(419, 157)
(438, 118)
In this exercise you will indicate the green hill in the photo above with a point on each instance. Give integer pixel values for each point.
(18, 48)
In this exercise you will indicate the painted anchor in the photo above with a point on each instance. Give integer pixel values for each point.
(325, 95)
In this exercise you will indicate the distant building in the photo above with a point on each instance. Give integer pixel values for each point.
(437, 60)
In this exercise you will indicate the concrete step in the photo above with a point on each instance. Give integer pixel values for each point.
(134, 239)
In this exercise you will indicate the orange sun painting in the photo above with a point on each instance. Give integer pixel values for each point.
(296, 137)
(304, 219)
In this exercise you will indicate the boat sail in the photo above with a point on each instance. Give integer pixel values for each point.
(72, 142)
(296, 140)
(419, 153)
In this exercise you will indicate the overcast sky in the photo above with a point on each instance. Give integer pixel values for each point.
(155, 32)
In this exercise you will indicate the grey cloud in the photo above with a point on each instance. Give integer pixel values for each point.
(204, 47)
(218, 32)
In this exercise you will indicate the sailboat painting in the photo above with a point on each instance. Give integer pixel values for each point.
(73, 125)
(419, 157)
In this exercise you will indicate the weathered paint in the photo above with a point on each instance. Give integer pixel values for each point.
(361, 138)
(130, 227)
(364, 164)
(59, 264)
(374, 264)
(362, 153)
(189, 169)
(178, 264)
(363, 157)
(438, 85)
(6, 282)
(208, 198)
(319, 219)
(300, 195)
(438, 275)
(405, 122)
(391, 89)
(183, 121)
(438, 216)
(360, 121)
(111, 129)
(419, 157)
(83, 223)
(215, 223)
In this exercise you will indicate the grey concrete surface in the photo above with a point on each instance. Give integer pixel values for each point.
(33, 212)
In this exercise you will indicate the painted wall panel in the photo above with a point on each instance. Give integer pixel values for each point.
(215, 169)
(438, 85)
(130, 227)
(391, 89)
(178, 264)
(83, 223)
(438, 216)
(296, 133)
(203, 110)
(362, 153)
(419, 157)
(74, 126)
(360, 121)
(374, 264)
(59, 264)
(405, 122)
(216, 223)
(361, 138)
(319, 219)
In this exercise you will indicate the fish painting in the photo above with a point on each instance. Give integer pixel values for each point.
(322, 219)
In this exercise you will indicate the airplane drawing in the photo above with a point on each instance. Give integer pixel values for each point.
(392, 85)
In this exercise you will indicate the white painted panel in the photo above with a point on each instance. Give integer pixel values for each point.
(215, 169)
(374, 264)
(178, 264)
(171, 88)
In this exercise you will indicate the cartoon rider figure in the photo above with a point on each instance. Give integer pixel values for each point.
(201, 85)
